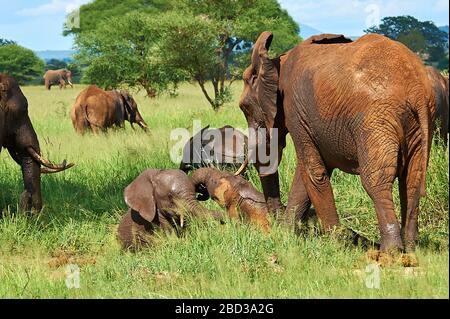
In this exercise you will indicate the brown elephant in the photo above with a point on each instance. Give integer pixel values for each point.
(98, 110)
(58, 77)
(223, 148)
(237, 195)
(159, 199)
(440, 85)
(17, 135)
(364, 107)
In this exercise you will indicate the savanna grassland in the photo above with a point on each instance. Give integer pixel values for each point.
(83, 206)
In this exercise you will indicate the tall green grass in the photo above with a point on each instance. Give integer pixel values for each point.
(83, 206)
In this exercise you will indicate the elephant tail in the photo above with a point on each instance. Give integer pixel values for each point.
(86, 117)
(422, 111)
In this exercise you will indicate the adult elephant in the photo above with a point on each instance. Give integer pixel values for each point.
(19, 138)
(97, 110)
(223, 147)
(364, 107)
(57, 77)
(440, 85)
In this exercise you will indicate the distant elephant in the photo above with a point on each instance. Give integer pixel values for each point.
(364, 107)
(19, 138)
(440, 85)
(223, 147)
(98, 110)
(234, 193)
(159, 199)
(57, 77)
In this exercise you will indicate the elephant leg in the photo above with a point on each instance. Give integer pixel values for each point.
(298, 201)
(409, 190)
(62, 84)
(316, 180)
(377, 176)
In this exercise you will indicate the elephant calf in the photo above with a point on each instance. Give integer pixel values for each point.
(224, 147)
(158, 199)
(235, 194)
(97, 110)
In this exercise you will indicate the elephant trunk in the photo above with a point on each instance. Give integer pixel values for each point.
(198, 211)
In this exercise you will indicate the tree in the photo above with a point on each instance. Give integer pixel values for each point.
(125, 55)
(156, 46)
(55, 64)
(93, 13)
(423, 38)
(5, 42)
(19, 62)
(202, 37)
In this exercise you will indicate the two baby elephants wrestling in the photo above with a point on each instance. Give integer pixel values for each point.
(162, 198)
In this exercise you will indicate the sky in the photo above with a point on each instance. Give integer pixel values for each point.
(37, 24)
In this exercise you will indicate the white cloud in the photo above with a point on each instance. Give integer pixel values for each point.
(53, 7)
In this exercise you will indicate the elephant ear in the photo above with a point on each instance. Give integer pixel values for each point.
(267, 77)
(131, 115)
(139, 196)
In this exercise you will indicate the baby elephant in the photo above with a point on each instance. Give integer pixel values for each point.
(158, 199)
(234, 193)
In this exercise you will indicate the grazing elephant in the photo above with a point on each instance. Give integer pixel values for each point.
(223, 147)
(440, 85)
(19, 138)
(57, 77)
(97, 110)
(364, 107)
(158, 199)
(234, 193)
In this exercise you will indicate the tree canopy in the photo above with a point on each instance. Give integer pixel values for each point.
(19, 62)
(5, 42)
(164, 42)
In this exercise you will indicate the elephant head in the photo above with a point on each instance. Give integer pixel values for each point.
(68, 75)
(238, 196)
(131, 110)
(161, 198)
(17, 135)
(260, 102)
(223, 147)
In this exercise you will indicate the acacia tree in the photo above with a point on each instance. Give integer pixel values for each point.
(206, 38)
(156, 46)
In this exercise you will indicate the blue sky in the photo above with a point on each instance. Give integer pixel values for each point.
(37, 24)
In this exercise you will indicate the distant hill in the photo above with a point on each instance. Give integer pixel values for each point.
(64, 55)
(444, 28)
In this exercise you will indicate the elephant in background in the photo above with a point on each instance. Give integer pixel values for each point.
(159, 199)
(440, 85)
(58, 77)
(365, 107)
(98, 110)
(19, 138)
(223, 148)
(238, 196)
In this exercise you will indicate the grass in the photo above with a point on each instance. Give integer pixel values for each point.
(84, 205)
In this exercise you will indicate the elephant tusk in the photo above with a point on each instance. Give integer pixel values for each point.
(244, 164)
(45, 162)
